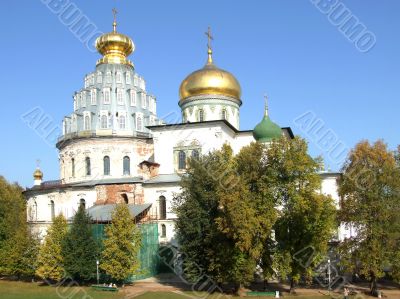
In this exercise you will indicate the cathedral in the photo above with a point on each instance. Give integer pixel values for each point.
(115, 149)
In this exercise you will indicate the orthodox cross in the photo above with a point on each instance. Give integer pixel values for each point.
(209, 37)
(114, 11)
(266, 104)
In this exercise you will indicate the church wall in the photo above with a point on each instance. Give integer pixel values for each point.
(111, 194)
(96, 149)
(152, 193)
(168, 140)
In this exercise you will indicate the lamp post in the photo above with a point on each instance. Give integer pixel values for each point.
(97, 271)
(329, 276)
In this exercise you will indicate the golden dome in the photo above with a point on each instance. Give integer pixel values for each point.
(114, 46)
(38, 174)
(210, 80)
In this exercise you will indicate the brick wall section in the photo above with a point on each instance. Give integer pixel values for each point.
(110, 194)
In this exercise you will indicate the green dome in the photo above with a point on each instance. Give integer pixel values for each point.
(266, 130)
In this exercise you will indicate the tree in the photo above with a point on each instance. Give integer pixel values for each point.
(370, 203)
(50, 262)
(121, 245)
(79, 248)
(207, 251)
(18, 245)
(307, 218)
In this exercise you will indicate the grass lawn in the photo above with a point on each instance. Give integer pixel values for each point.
(163, 295)
(26, 290)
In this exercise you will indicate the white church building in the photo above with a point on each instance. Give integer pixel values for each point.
(114, 148)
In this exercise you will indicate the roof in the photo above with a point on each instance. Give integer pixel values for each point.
(164, 178)
(104, 212)
(194, 124)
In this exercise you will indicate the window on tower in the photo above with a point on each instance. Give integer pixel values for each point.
(126, 166)
(93, 96)
(73, 167)
(106, 165)
(108, 77)
(99, 78)
(87, 122)
(223, 114)
(120, 96)
(122, 122)
(118, 78)
(133, 97)
(139, 123)
(87, 166)
(143, 99)
(104, 121)
(201, 115)
(128, 77)
(106, 96)
(83, 99)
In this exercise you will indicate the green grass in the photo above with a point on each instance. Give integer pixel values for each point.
(26, 290)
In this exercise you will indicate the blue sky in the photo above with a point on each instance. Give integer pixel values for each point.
(287, 49)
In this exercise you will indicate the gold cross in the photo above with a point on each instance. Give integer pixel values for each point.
(266, 104)
(209, 37)
(37, 163)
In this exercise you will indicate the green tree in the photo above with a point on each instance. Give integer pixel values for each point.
(79, 248)
(50, 262)
(18, 245)
(307, 219)
(121, 245)
(206, 249)
(370, 192)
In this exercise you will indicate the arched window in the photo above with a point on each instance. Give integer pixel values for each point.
(87, 122)
(163, 207)
(106, 165)
(195, 154)
(126, 165)
(87, 164)
(125, 198)
(103, 121)
(223, 114)
(73, 167)
(201, 115)
(52, 210)
(139, 123)
(181, 160)
(122, 122)
(163, 231)
(82, 203)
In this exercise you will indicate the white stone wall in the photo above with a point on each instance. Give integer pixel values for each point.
(96, 148)
(66, 202)
(152, 193)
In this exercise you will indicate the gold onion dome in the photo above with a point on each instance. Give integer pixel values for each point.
(38, 174)
(210, 80)
(115, 47)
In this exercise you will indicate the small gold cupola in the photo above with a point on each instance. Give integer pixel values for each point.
(115, 47)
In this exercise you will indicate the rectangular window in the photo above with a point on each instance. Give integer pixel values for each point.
(99, 78)
(128, 77)
(106, 96)
(75, 103)
(92, 79)
(83, 99)
(143, 99)
(118, 78)
(86, 122)
(108, 77)
(104, 121)
(135, 81)
(133, 97)
(139, 122)
(120, 96)
(93, 96)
